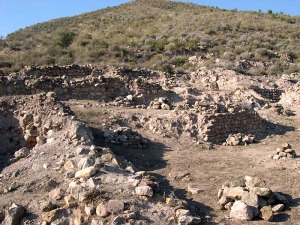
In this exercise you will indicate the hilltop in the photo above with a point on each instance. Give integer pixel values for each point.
(160, 34)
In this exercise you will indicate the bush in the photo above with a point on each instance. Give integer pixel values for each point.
(65, 38)
(179, 61)
(167, 68)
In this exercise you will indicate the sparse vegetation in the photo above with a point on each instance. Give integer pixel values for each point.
(158, 34)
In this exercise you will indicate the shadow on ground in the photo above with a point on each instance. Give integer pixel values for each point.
(147, 159)
(150, 159)
(273, 129)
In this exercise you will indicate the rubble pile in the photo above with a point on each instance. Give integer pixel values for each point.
(239, 139)
(77, 175)
(249, 198)
(121, 101)
(284, 152)
(125, 137)
(160, 103)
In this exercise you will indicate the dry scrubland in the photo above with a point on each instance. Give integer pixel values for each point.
(162, 35)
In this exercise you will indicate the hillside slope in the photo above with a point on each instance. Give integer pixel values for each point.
(160, 34)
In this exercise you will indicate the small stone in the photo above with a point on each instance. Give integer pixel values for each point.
(40, 140)
(70, 201)
(266, 213)
(22, 153)
(70, 164)
(250, 199)
(187, 220)
(55, 194)
(223, 201)
(182, 212)
(144, 191)
(262, 192)
(194, 190)
(101, 210)
(89, 210)
(220, 193)
(254, 182)
(286, 146)
(289, 150)
(276, 157)
(70, 174)
(241, 211)
(130, 98)
(96, 222)
(85, 173)
(52, 215)
(82, 150)
(46, 165)
(85, 163)
(282, 154)
(279, 150)
(229, 205)
(278, 208)
(234, 193)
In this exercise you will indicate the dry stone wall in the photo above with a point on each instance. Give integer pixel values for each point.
(216, 128)
(79, 82)
(273, 95)
(72, 70)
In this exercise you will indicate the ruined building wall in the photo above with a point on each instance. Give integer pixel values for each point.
(273, 95)
(213, 128)
(216, 128)
(82, 83)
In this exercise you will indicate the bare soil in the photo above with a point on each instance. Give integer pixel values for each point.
(180, 162)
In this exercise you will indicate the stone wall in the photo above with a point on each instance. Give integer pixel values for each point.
(273, 95)
(216, 128)
(79, 82)
(71, 70)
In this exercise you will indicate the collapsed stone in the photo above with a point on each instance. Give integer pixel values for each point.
(250, 200)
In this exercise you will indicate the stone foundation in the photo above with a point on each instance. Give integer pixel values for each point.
(216, 128)
(273, 95)
(79, 82)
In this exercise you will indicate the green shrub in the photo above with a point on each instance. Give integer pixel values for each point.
(65, 38)
(166, 68)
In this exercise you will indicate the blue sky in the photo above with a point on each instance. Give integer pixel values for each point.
(16, 14)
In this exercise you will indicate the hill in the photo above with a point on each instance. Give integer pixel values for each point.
(161, 34)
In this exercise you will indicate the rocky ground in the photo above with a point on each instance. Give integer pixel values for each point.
(180, 163)
(144, 158)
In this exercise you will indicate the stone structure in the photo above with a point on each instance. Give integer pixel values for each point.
(79, 82)
(217, 127)
(214, 128)
(273, 95)
(136, 87)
